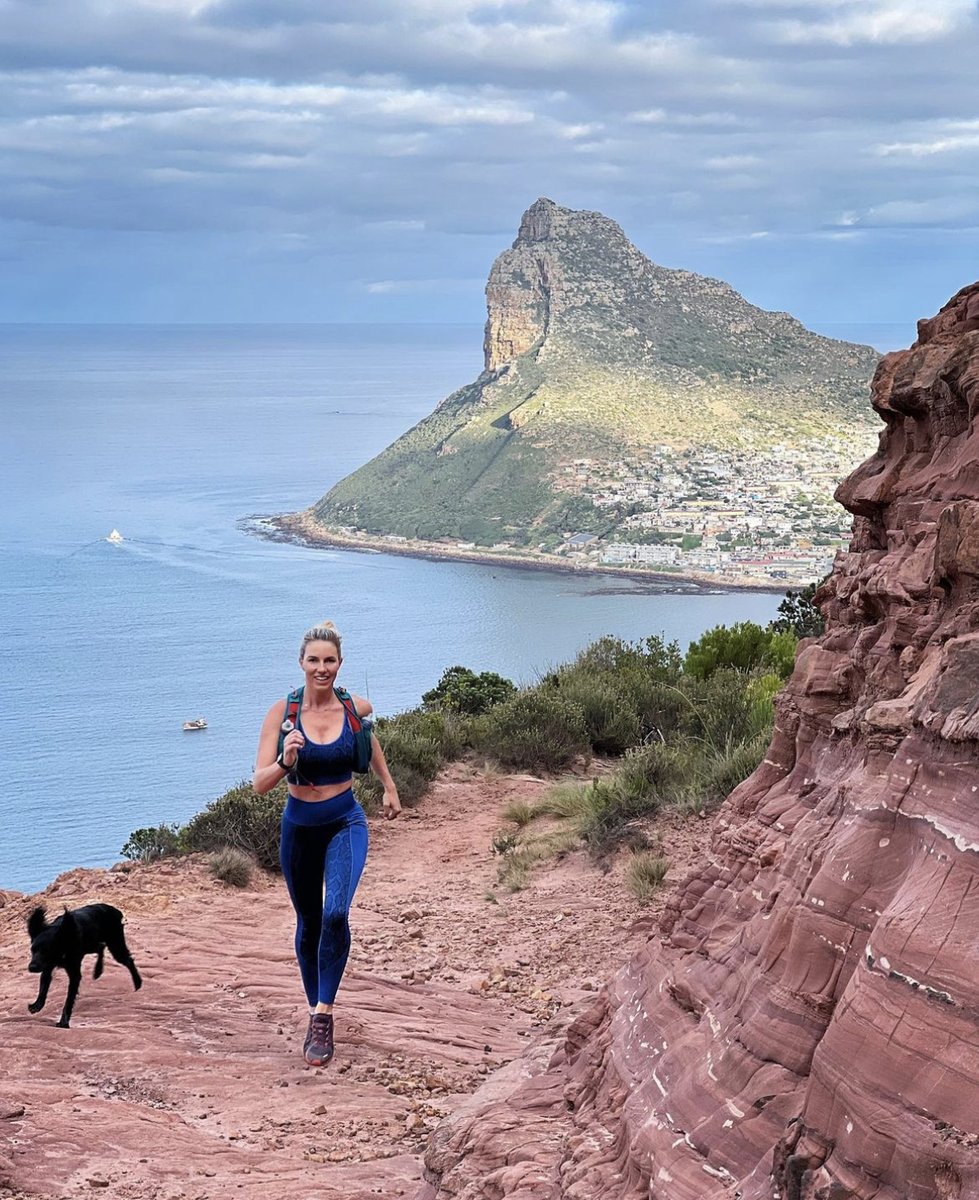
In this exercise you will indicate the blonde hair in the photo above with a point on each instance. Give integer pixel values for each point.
(325, 631)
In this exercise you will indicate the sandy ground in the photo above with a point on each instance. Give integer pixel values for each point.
(195, 1088)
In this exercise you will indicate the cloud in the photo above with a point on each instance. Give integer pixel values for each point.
(852, 22)
(398, 141)
(949, 137)
(387, 287)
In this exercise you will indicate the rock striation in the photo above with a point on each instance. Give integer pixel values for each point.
(806, 1025)
(593, 350)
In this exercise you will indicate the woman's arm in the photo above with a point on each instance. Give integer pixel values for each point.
(268, 772)
(392, 804)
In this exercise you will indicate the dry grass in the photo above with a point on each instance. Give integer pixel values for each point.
(645, 874)
(232, 866)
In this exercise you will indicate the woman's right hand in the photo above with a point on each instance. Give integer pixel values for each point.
(291, 745)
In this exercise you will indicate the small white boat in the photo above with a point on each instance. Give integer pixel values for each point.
(115, 537)
(197, 723)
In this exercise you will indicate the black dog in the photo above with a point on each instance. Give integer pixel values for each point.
(66, 940)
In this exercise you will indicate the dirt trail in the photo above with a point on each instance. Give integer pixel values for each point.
(194, 1088)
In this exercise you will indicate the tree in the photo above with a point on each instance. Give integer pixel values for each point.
(463, 691)
(799, 615)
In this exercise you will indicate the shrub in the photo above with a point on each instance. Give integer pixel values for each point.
(644, 874)
(232, 866)
(717, 710)
(652, 658)
(743, 646)
(611, 721)
(157, 841)
(761, 693)
(242, 819)
(725, 770)
(416, 744)
(650, 773)
(536, 730)
(780, 655)
(611, 809)
(463, 691)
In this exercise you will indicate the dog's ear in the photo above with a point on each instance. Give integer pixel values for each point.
(36, 922)
(68, 927)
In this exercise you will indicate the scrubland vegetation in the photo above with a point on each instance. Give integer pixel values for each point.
(668, 730)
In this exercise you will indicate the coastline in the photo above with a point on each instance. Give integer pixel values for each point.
(303, 530)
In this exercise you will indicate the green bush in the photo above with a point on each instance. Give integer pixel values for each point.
(779, 658)
(725, 770)
(610, 719)
(652, 657)
(535, 730)
(157, 841)
(717, 710)
(233, 867)
(610, 818)
(243, 819)
(761, 693)
(648, 774)
(463, 691)
(743, 647)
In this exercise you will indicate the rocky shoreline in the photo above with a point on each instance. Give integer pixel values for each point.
(302, 529)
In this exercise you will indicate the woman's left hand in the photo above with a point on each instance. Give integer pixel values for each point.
(392, 805)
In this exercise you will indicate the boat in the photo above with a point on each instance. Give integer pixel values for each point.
(115, 537)
(196, 723)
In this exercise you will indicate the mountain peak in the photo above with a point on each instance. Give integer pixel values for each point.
(593, 351)
(573, 286)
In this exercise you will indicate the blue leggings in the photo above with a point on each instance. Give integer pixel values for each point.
(322, 852)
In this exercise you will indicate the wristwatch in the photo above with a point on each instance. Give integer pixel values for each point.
(284, 765)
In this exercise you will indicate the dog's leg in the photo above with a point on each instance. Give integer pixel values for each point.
(120, 952)
(74, 979)
(42, 993)
(100, 956)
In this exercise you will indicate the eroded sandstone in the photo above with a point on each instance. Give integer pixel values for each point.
(806, 1026)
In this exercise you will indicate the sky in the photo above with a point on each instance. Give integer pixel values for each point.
(366, 160)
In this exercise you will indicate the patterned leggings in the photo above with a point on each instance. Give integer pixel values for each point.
(322, 851)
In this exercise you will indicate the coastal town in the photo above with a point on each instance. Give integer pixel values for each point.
(766, 516)
(756, 518)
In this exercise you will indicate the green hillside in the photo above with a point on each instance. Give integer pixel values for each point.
(594, 352)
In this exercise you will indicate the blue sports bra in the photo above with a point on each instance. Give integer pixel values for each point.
(320, 763)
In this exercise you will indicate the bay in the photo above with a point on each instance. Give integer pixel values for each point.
(173, 435)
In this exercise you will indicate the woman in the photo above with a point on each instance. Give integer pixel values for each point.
(324, 830)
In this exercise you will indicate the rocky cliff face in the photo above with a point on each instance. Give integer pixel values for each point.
(574, 286)
(807, 1025)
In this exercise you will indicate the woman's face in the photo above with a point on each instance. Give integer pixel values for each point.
(320, 663)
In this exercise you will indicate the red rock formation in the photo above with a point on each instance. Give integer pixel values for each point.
(807, 1028)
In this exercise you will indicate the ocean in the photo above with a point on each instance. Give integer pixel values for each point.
(173, 435)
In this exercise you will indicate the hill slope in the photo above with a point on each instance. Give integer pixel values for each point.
(593, 350)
